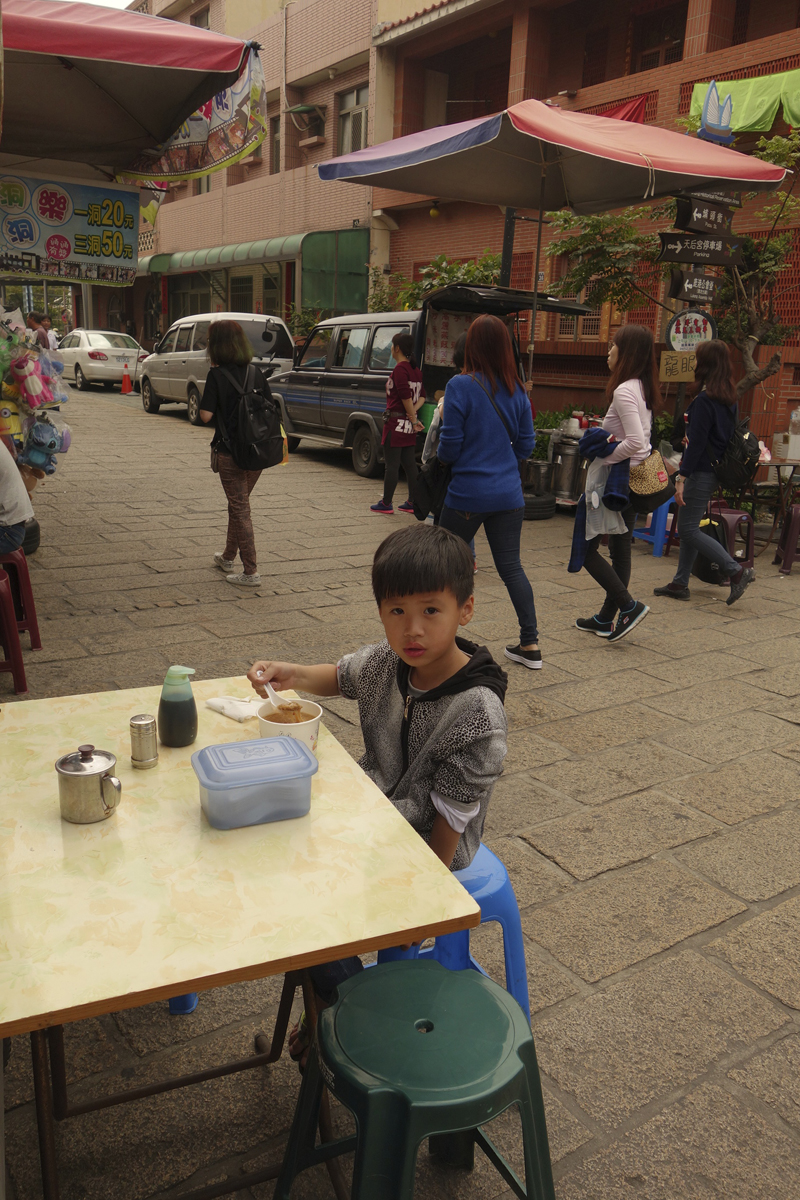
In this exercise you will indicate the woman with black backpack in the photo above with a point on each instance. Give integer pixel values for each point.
(710, 424)
(230, 354)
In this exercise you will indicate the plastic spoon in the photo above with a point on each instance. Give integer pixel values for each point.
(272, 694)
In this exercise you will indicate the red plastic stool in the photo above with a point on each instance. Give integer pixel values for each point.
(786, 550)
(9, 636)
(16, 564)
(732, 519)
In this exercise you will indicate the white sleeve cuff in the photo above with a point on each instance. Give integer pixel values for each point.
(458, 816)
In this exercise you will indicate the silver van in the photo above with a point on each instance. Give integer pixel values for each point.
(175, 373)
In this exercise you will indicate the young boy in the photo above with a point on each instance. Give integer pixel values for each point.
(430, 703)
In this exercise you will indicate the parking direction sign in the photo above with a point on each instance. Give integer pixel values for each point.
(718, 250)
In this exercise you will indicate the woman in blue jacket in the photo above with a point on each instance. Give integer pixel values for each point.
(711, 419)
(487, 428)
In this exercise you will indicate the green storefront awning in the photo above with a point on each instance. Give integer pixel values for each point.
(278, 249)
(756, 100)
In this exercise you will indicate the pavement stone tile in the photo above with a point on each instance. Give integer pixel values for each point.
(773, 1076)
(620, 832)
(766, 950)
(762, 628)
(704, 1147)
(728, 737)
(759, 860)
(609, 773)
(625, 917)
(698, 669)
(533, 878)
(631, 723)
(588, 695)
(689, 642)
(520, 802)
(770, 653)
(708, 698)
(533, 708)
(527, 751)
(743, 788)
(656, 1031)
(784, 680)
(595, 662)
(547, 984)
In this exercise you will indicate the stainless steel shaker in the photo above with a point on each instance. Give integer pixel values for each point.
(87, 789)
(144, 742)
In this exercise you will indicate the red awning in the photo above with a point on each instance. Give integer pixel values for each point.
(99, 86)
(629, 110)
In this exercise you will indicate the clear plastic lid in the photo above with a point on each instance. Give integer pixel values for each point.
(265, 760)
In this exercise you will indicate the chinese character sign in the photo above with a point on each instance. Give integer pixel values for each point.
(442, 332)
(686, 330)
(69, 231)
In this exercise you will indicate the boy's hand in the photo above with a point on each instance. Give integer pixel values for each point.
(281, 675)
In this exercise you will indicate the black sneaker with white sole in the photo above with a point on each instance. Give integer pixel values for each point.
(527, 658)
(626, 621)
(739, 582)
(595, 625)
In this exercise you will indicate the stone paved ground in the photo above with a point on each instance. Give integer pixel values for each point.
(648, 815)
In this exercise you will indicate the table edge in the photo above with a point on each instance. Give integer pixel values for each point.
(98, 1008)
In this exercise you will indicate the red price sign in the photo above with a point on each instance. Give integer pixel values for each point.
(57, 246)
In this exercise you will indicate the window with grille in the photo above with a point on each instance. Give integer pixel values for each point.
(741, 19)
(202, 186)
(595, 57)
(658, 36)
(242, 293)
(200, 19)
(353, 113)
(275, 146)
(588, 327)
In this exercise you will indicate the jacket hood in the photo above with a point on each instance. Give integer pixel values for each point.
(480, 671)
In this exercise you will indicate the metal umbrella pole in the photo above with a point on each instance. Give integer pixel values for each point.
(536, 266)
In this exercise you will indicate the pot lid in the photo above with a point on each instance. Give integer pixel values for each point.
(86, 761)
(263, 760)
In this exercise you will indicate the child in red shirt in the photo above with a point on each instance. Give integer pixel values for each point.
(404, 395)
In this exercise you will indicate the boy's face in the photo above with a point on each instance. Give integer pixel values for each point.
(421, 628)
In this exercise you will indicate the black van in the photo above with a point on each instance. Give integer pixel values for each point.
(335, 392)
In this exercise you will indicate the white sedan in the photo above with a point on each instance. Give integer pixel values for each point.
(99, 356)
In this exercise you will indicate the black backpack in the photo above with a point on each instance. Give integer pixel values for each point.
(254, 435)
(739, 461)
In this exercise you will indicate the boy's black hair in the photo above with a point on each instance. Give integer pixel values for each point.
(423, 558)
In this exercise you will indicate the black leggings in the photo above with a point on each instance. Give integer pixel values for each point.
(613, 576)
(397, 456)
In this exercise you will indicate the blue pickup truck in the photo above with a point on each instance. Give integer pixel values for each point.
(335, 393)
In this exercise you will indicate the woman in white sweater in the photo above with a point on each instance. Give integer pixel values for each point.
(633, 388)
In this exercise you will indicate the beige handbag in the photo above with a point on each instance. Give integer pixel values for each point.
(651, 484)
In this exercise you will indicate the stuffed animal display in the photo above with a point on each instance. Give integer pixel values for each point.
(28, 375)
(43, 440)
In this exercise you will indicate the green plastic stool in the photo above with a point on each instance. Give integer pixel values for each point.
(416, 1051)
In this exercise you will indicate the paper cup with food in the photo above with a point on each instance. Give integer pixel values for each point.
(298, 719)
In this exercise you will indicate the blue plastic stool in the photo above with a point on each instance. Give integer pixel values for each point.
(181, 1006)
(657, 533)
(486, 880)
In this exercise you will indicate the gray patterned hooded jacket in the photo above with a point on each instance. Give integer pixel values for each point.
(451, 740)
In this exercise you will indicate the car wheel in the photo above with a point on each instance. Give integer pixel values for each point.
(365, 453)
(149, 402)
(193, 406)
(539, 508)
(292, 443)
(30, 543)
(80, 380)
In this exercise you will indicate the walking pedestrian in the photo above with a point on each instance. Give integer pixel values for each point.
(230, 354)
(486, 429)
(435, 428)
(15, 504)
(52, 339)
(34, 323)
(404, 395)
(633, 391)
(711, 419)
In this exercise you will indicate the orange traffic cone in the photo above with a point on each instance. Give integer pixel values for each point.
(126, 382)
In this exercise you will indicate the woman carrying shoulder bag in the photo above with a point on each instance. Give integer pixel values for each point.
(633, 390)
(230, 354)
(712, 417)
(487, 429)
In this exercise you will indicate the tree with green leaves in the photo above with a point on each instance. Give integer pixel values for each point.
(608, 250)
(396, 293)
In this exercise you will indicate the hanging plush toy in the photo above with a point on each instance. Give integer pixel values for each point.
(10, 425)
(10, 343)
(42, 442)
(28, 375)
(51, 365)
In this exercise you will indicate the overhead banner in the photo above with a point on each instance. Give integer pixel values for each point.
(224, 130)
(70, 231)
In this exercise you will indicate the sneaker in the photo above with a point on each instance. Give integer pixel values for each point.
(739, 582)
(224, 564)
(675, 590)
(626, 621)
(380, 507)
(408, 507)
(595, 625)
(244, 580)
(528, 658)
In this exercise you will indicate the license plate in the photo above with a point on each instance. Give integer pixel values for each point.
(121, 358)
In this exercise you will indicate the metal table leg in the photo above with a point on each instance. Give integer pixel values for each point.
(44, 1114)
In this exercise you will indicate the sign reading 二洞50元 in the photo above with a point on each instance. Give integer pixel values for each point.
(74, 231)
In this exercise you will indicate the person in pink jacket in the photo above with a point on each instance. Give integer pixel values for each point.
(633, 390)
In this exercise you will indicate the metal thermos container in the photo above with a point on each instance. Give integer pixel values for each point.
(87, 789)
(144, 742)
(565, 459)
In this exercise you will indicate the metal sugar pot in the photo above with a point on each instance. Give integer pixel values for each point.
(88, 790)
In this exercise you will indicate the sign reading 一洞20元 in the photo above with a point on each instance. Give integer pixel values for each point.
(71, 231)
(699, 248)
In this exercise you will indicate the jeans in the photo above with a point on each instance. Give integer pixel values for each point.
(613, 576)
(396, 456)
(238, 485)
(326, 977)
(11, 537)
(697, 491)
(503, 531)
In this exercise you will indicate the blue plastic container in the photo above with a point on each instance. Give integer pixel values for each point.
(250, 783)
